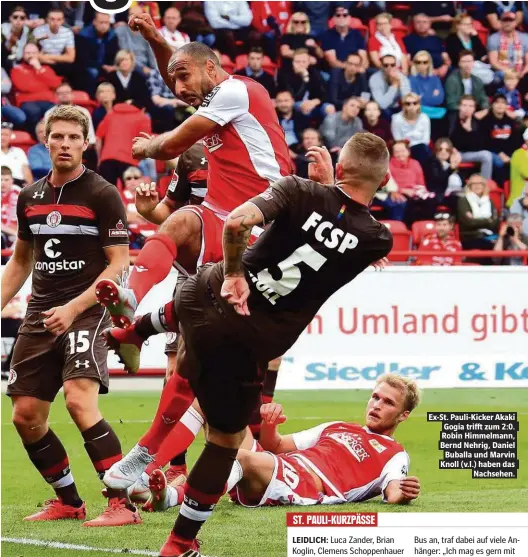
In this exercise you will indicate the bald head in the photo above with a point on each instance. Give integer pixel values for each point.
(364, 161)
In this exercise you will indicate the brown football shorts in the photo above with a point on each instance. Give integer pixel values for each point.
(42, 362)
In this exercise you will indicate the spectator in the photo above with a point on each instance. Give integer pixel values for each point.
(293, 122)
(231, 21)
(10, 113)
(441, 173)
(341, 41)
(310, 138)
(35, 86)
(131, 180)
(495, 10)
(384, 39)
(511, 237)
(105, 96)
(412, 201)
(298, 35)
(254, 70)
(194, 22)
(38, 155)
(57, 43)
(440, 13)
(129, 83)
(373, 123)
(442, 239)
(318, 14)
(427, 85)
(270, 20)
(306, 85)
(518, 171)
(15, 34)
(512, 94)
(167, 111)
(421, 39)
(508, 49)
(462, 82)
(97, 46)
(338, 128)
(115, 135)
(169, 31)
(10, 194)
(133, 42)
(414, 126)
(14, 158)
(464, 37)
(477, 217)
(520, 207)
(467, 136)
(73, 14)
(389, 85)
(502, 138)
(349, 82)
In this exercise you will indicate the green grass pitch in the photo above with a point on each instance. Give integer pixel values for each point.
(235, 531)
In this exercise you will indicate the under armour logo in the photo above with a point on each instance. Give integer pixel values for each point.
(38, 195)
(140, 269)
(167, 421)
(203, 161)
(85, 364)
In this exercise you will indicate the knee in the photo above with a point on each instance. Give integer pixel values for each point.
(227, 440)
(77, 406)
(27, 415)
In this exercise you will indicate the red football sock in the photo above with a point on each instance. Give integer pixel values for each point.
(178, 440)
(176, 398)
(152, 265)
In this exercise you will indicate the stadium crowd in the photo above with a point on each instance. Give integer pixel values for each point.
(445, 84)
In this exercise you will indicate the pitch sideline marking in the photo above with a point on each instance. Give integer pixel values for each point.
(60, 545)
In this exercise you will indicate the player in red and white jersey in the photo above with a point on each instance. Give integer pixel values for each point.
(335, 462)
(442, 239)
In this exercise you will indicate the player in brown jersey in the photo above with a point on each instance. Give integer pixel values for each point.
(254, 305)
(72, 231)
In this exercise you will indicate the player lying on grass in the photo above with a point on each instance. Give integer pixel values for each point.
(332, 463)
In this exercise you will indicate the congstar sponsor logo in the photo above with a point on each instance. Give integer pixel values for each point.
(52, 252)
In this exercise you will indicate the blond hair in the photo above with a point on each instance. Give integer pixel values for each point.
(406, 386)
(457, 20)
(414, 97)
(511, 74)
(68, 113)
(383, 15)
(365, 158)
(414, 69)
(122, 54)
(308, 27)
(104, 84)
(472, 178)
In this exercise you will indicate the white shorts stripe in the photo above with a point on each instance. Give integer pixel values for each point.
(191, 514)
(93, 343)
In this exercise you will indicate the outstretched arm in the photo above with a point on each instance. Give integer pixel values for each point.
(161, 48)
(171, 144)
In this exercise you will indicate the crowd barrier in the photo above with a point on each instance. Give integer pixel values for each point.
(461, 326)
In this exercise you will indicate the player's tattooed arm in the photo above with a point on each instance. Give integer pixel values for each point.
(237, 231)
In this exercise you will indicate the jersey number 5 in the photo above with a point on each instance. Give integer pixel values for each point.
(290, 272)
(82, 344)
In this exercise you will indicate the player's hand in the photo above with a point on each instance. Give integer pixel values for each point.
(320, 168)
(380, 264)
(140, 145)
(144, 24)
(410, 487)
(271, 414)
(147, 198)
(236, 291)
(58, 319)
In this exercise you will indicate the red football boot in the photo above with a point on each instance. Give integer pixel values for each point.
(55, 509)
(178, 547)
(116, 514)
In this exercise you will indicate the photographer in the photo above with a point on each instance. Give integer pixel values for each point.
(511, 238)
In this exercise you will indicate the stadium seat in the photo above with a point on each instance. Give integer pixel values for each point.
(482, 31)
(507, 188)
(397, 26)
(497, 198)
(163, 184)
(82, 98)
(420, 229)
(355, 23)
(22, 139)
(227, 64)
(401, 237)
